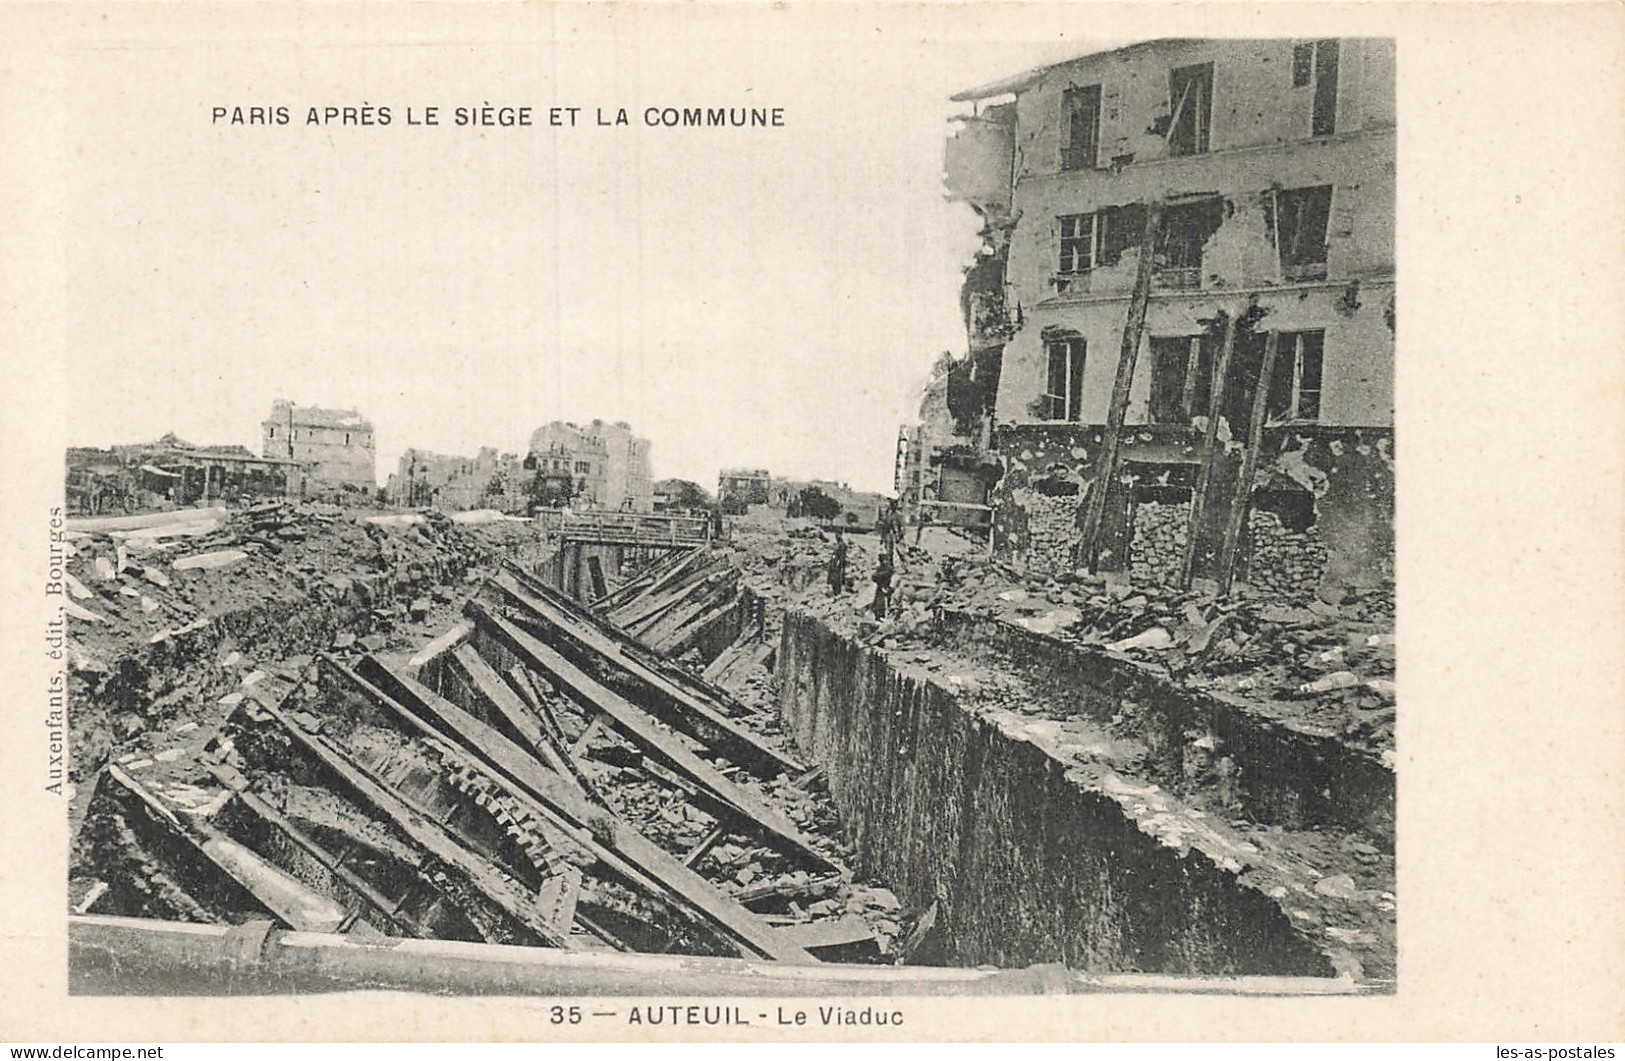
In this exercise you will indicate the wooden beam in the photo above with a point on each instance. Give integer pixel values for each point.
(1241, 500)
(555, 735)
(642, 730)
(490, 687)
(630, 647)
(291, 900)
(583, 744)
(649, 577)
(335, 864)
(1209, 451)
(623, 848)
(706, 843)
(423, 831)
(1127, 358)
(684, 709)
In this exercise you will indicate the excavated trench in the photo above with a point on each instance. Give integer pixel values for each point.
(1074, 835)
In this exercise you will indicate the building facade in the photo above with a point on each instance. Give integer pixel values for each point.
(1188, 277)
(336, 446)
(607, 463)
(457, 484)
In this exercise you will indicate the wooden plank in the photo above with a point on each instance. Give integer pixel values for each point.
(335, 864)
(506, 703)
(1127, 358)
(1241, 500)
(641, 729)
(294, 902)
(583, 743)
(681, 708)
(635, 857)
(1210, 457)
(444, 643)
(550, 726)
(428, 834)
(831, 932)
(706, 843)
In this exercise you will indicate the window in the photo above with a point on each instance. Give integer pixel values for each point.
(1315, 63)
(1181, 378)
(1186, 228)
(583, 467)
(1080, 127)
(347, 438)
(1301, 218)
(1080, 245)
(1063, 396)
(1190, 95)
(1303, 65)
(1077, 244)
(270, 432)
(1295, 382)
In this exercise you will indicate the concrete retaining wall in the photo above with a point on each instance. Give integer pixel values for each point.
(1031, 861)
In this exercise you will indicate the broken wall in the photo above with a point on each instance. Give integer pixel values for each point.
(1344, 479)
(1254, 101)
(977, 158)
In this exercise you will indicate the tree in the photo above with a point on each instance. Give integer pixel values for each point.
(684, 494)
(815, 504)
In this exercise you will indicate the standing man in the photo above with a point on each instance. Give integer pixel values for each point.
(837, 565)
(882, 577)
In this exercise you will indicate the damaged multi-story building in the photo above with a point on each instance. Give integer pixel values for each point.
(336, 446)
(1182, 323)
(456, 483)
(608, 465)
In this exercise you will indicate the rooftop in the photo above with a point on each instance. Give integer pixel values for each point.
(1023, 81)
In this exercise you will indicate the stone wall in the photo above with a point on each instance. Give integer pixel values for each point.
(1158, 549)
(1283, 561)
(1052, 532)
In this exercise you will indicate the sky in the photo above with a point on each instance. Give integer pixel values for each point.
(763, 297)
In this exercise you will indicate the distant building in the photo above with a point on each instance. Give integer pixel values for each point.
(171, 472)
(457, 484)
(745, 486)
(607, 464)
(335, 445)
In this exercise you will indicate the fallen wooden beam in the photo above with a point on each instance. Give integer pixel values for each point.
(630, 647)
(648, 578)
(512, 712)
(831, 932)
(613, 841)
(422, 830)
(649, 607)
(386, 909)
(681, 708)
(294, 902)
(640, 728)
